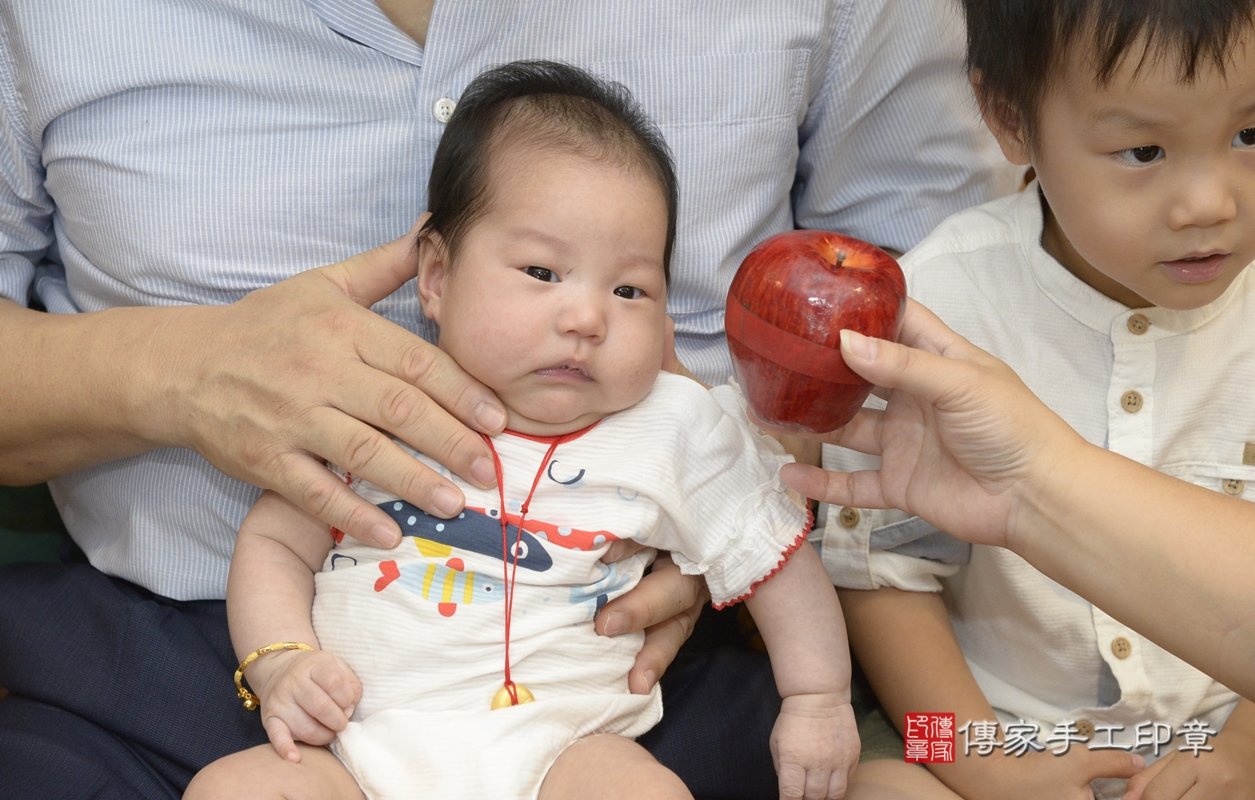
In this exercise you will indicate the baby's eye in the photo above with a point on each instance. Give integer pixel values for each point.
(1245, 138)
(628, 292)
(1142, 155)
(542, 274)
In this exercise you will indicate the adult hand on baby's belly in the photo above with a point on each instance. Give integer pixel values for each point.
(665, 604)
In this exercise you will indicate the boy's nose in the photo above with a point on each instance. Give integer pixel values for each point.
(1203, 200)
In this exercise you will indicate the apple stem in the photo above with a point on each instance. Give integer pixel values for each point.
(840, 257)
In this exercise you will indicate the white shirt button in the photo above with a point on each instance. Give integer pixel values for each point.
(443, 109)
(1121, 647)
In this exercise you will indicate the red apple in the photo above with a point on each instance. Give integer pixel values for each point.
(788, 303)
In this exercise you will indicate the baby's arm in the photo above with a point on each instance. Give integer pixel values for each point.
(306, 695)
(815, 741)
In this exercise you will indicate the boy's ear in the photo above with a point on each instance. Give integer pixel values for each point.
(433, 267)
(1004, 122)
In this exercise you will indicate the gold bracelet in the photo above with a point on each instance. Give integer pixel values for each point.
(250, 699)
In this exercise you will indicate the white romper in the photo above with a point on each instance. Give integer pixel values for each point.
(423, 625)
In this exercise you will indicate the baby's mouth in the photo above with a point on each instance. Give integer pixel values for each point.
(565, 371)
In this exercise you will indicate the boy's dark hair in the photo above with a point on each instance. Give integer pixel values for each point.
(546, 104)
(1015, 48)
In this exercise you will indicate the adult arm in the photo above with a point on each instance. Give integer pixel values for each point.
(264, 388)
(268, 387)
(965, 445)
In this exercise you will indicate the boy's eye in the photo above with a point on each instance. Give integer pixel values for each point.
(1245, 138)
(628, 292)
(1142, 155)
(542, 274)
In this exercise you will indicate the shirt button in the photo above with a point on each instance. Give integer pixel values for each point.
(1138, 324)
(1122, 647)
(849, 517)
(443, 109)
(1234, 486)
(1131, 402)
(1085, 728)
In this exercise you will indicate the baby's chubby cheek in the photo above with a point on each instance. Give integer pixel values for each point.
(480, 355)
(642, 379)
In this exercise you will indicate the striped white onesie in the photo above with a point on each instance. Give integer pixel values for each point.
(423, 625)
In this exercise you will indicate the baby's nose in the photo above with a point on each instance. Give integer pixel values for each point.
(584, 316)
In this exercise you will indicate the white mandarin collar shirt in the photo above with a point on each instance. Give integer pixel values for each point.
(1170, 389)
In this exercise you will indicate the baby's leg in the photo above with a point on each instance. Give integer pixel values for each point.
(609, 767)
(260, 774)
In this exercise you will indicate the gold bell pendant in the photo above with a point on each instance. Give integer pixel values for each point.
(503, 699)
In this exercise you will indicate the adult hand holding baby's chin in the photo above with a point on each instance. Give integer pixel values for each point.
(300, 372)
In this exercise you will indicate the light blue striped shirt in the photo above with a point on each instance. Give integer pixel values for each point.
(162, 153)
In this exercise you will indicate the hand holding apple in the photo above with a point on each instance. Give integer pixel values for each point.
(788, 303)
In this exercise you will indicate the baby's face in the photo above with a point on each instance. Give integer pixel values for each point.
(557, 297)
(1151, 181)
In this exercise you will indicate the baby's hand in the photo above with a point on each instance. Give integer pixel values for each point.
(307, 695)
(814, 746)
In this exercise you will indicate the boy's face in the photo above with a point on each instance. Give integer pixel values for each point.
(557, 298)
(1150, 182)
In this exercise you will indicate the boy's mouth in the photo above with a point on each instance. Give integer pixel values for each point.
(1196, 267)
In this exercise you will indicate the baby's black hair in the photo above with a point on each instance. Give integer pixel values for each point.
(1015, 48)
(546, 104)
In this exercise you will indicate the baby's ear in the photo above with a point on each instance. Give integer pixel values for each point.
(433, 267)
(1003, 121)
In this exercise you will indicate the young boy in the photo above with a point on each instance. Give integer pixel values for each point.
(1116, 286)
(545, 263)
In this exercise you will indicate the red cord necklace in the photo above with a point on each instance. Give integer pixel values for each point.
(513, 694)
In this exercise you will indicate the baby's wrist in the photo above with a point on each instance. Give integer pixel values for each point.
(818, 701)
(794, 682)
(262, 672)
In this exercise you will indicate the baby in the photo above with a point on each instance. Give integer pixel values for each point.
(1117, 286)
(545, 263)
